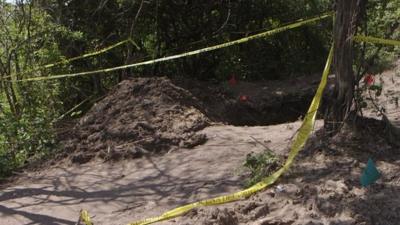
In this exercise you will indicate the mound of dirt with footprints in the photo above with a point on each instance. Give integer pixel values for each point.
(157, 114)
(138, 116)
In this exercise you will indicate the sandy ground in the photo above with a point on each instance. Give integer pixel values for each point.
(322, 188)
(130, 190)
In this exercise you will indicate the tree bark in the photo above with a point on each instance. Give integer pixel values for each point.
(341, 100)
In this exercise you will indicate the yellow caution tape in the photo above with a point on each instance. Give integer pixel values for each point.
(375, 40)
(301, 138)
(67, 61)
(85, 217)
(212, 48)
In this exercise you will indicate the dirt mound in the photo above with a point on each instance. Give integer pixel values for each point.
(142, 115)
(145, 115)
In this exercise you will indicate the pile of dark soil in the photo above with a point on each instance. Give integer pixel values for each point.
(149, 115)
(142, 115)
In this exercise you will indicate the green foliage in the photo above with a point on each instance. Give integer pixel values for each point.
(260, 166)
(27, 110)
(170, 27)
(368, 92)
(381, 20)
(377, 88)
(294, 52)
(24, 139)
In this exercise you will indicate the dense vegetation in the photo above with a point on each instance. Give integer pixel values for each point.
(35, 33)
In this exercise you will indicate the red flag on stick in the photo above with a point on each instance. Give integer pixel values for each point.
(369, 79)
(232, 81)
(243, 98)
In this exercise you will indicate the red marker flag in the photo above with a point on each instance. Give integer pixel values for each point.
(232, 81)
(369, 79)
(243, 98)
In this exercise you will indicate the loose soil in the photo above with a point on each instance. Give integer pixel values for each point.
(323, 187)
(170, 143)
(139, 116)
(120, 192)
(156, 115)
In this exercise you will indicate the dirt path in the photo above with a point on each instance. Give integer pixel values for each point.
(123, 192)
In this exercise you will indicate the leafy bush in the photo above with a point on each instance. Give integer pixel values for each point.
(27, 109)
(260, 165)
(23, 140)
(382, 21)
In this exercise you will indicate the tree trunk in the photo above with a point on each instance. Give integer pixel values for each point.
(342, 97)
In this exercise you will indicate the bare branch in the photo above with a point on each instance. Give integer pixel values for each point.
(135, 19)
(226, 20)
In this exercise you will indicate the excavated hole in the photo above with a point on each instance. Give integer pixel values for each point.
(253, 103)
